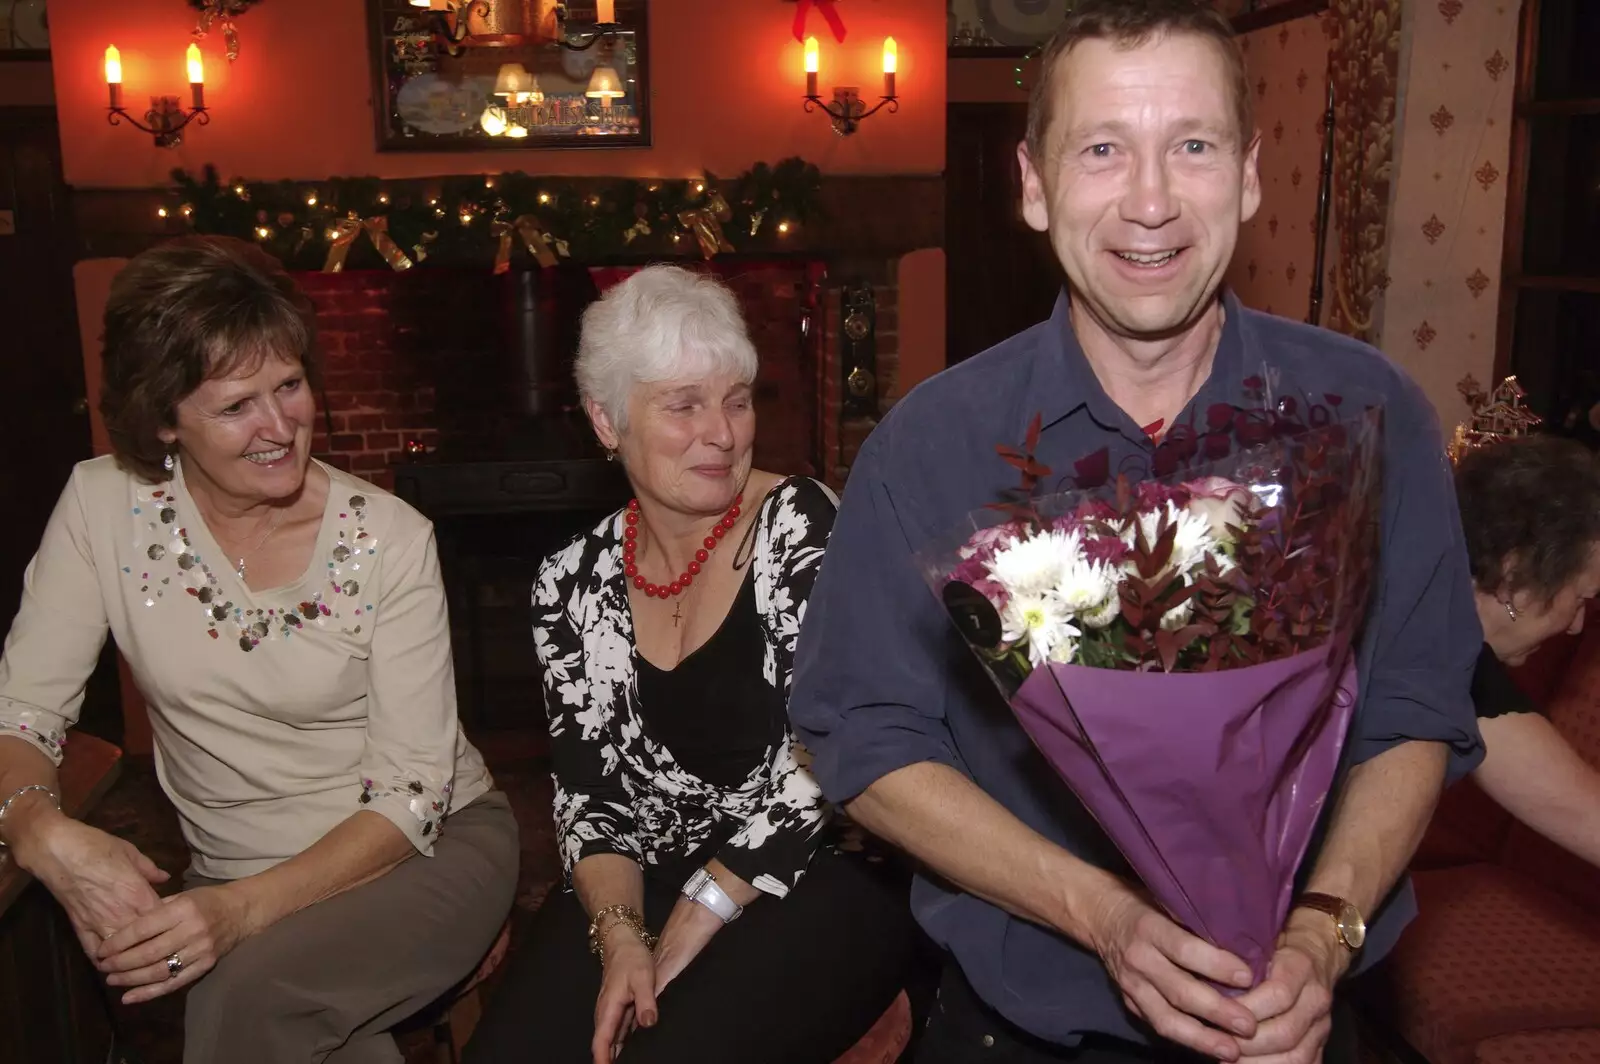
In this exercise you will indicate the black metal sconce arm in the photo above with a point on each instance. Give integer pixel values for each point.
(847, 111)
(166, 127)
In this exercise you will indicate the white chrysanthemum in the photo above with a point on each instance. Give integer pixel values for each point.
(1034, 564)
(1064, 652)
(1040, 620)
(1178, 616)
(1191, 542)
(1086, 586)
(1104, 614)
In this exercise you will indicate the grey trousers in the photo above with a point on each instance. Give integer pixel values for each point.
(328, 983)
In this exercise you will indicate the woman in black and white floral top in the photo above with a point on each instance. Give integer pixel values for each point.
(683, 801)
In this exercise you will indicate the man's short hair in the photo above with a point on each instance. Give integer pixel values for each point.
(1130, 24)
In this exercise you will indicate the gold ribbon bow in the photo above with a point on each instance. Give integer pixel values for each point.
(706, 223)
(347, 229)
(534, 238)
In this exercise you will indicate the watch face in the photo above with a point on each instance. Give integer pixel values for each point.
(1352, 929)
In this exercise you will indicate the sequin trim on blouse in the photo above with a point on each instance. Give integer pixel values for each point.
(169, 549)
(53, 739)
(430, 814)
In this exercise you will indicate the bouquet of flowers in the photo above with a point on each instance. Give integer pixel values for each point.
(1180, 650)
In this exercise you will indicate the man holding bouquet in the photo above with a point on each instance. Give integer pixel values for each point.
(1140, 163)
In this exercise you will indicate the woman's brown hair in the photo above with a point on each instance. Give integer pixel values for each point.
(185, 312)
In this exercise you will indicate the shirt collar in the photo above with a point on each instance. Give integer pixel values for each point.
(1062, 381)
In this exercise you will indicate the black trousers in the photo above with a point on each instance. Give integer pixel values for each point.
(962, 1029)
(796, 980)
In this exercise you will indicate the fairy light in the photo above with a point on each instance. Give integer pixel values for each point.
(594, 201)
(783, 227)
(544, 197)
(311, 199)
(262, 232)
(699, 186)
(238, 190)
(188, 211)
(331, 235)
(161, 212)
(466, 217)
(488, 182)
(383, 197)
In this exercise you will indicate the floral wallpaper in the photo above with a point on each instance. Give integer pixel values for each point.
(1272, 266)
(1445, 242)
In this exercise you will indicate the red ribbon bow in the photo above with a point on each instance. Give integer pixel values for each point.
(830, 15)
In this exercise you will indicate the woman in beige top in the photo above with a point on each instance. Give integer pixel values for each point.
(286, 624)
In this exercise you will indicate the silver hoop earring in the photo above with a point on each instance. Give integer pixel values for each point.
(168, 462)
(1511, 611)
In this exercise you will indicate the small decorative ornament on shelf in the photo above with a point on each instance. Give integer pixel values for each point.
(219, 14)
(1498, 415)
(847, 109)
(166, 118)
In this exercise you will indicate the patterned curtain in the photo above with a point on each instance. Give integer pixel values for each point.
(1364, 64)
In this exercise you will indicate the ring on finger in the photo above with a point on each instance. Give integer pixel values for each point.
(174, 966)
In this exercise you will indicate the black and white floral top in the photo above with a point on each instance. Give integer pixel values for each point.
(620, 791)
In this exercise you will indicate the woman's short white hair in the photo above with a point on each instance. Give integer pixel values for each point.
(663, 323)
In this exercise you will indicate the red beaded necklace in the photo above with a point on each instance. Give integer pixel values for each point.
(630, 540)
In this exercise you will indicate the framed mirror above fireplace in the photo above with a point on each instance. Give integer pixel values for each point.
(508, 75)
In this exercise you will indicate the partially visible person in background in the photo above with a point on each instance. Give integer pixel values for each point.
(1530, 508)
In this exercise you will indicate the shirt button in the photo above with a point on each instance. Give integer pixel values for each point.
(988, 1041)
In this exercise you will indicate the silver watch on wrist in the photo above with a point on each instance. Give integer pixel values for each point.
(702, 888)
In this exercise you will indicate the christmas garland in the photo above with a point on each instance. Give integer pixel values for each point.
(496, 219)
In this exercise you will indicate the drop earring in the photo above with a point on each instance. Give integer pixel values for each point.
(168, 462)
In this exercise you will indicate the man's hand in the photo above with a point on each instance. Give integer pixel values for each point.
(1294, 1002)
(1156, 963)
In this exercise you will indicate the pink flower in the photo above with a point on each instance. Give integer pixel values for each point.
(1220, 501)
(1110, 550)
(984, 542)
(1154, 495)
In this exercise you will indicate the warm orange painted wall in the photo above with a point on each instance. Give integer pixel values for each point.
(726, 76)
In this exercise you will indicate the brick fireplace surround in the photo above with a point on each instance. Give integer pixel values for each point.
(418, 357)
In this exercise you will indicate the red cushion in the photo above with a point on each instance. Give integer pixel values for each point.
(887, 1038)
(1491, 954)
(1577, 1046)
(1468, 827)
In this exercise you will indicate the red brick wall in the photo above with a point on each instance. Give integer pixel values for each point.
(419, 356)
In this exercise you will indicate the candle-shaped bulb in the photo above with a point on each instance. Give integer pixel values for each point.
(605, 10)
(197, 77)
(114, 75)
(891, 60)
(811, 66)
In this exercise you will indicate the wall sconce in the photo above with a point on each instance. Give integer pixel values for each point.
(605, 28)
(847, 110)
(166, 118)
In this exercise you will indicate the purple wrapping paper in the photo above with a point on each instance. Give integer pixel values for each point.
(1209, 783)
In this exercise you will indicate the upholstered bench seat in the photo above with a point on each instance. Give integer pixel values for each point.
(1493, 954)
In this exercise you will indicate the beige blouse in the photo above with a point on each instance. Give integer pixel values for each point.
(276, 714)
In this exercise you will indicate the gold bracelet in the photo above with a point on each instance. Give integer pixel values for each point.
(627, 916)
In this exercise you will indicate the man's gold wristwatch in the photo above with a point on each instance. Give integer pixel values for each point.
(1348, 926)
